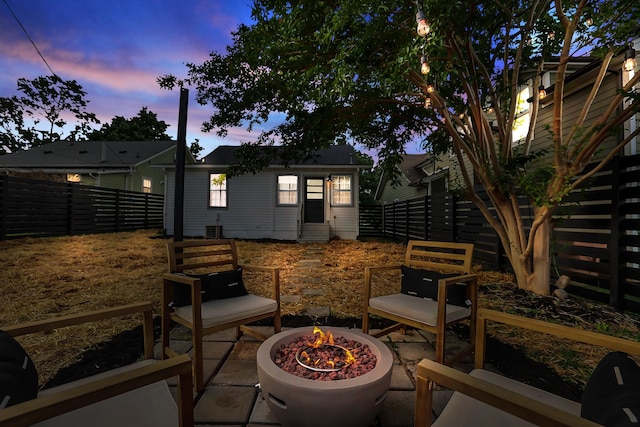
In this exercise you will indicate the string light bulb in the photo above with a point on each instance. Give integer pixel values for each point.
(589, 21)
(629, 60)
(490, 110)
(427, 102)
(430, 88)
(541, 91)
(424, 65)
(552, 35)
(423, 25)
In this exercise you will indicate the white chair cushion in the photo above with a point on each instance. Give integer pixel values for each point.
(220, 311)
(151, 405)
(462, 410)
(418, 309)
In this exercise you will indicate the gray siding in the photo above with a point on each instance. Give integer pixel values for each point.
(252, 212)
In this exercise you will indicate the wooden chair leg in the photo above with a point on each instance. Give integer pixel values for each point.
(424, 402)
(277, 323)
(440, 338)
(365, 322)
(198, 363)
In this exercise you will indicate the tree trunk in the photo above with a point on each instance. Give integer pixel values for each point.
(539, 281)
(531, 273)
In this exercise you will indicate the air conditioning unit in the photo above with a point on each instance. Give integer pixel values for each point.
(213, 231)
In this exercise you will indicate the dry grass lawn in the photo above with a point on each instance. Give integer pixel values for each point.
(48, 277)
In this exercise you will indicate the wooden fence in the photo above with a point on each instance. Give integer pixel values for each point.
(36, 208)
(595, 240)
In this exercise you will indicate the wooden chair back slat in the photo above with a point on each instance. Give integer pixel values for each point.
(449, 256)
(201, 254)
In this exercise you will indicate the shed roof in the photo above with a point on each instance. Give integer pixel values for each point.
(87, 154)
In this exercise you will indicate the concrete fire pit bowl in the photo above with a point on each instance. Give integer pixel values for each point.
(301, 402)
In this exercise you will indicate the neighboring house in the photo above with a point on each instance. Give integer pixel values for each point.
(578, 84)
(420, 175)
(124, 165)
(313, 201)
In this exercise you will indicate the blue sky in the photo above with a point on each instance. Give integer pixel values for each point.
(117, 49)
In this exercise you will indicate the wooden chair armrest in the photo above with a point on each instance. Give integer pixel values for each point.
(45, 325)
(275, 280)
(180, 278)
(562, 331)
(49, 406)
(464, 278)
(506, 400)
(274, 270)
(368, 273)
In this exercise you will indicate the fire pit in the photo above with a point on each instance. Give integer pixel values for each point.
(303, 402)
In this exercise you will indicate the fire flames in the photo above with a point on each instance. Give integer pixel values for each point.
(322, 339)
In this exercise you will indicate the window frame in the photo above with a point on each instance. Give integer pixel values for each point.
(223, 191)
(296, 191)
(334, 191)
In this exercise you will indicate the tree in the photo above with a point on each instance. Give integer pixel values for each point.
(348, 69)
(37, 117)
(145, 126)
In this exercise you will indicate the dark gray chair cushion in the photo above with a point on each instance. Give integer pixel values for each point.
(18, 374)
(612, 394)
(424, 284)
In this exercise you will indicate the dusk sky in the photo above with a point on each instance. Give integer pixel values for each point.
(117, 49)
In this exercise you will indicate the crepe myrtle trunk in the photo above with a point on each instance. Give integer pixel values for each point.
(531, 267)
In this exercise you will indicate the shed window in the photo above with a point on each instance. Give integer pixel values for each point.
(217, 190)
(341, 190)
(287, 190)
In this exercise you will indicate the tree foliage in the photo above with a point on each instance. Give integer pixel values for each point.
(145, 126)
(39, 116)
(349, 71)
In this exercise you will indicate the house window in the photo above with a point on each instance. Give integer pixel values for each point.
(73, 177)
(146, 185)
(287, 190)
(523, 118)
(217, 190)
(341, 190)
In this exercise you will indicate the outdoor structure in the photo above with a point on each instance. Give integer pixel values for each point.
(311, 201)
(122, 165)
(420, 175)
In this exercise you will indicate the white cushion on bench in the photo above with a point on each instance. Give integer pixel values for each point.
(463, 410)
(418, 309)
(219, 311)
(151, 405)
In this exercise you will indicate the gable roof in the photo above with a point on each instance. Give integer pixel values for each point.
(334, 155)
(410, 168)
(87, 154)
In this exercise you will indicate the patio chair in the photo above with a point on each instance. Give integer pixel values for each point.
(204, 291)
(131, 395)
(436, 291)
(484, 397)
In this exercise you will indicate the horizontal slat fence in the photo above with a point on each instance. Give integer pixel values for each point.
(36, 208)
(595, 241)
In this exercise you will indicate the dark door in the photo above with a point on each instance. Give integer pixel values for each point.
(314, 200)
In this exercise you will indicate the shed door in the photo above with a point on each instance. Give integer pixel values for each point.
(314, 200)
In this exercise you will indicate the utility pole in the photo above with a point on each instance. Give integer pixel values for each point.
(178, 211)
